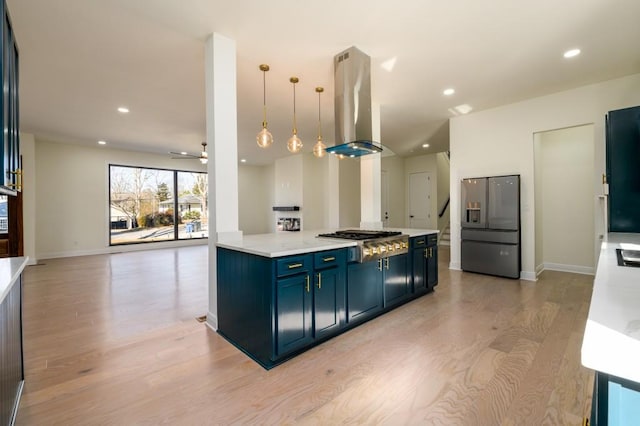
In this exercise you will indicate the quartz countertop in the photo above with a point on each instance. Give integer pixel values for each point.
(290, 243)
(10, 270)
(611, 342)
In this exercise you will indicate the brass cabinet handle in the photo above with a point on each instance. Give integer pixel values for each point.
(319, 280)
(307, 283)
(380, 265)
(386, 263)
(328, 259)
(295, 265)
(419, 243)
(426, 253)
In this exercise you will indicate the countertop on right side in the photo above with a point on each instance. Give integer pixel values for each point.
(611, 342)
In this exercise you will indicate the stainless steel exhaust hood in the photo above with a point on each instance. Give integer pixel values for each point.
(352, 80)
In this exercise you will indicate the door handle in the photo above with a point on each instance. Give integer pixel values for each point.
(307, 287)
(411, 216)
(319, 280)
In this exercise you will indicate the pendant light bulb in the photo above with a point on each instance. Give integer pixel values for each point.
(319, 147)
(264, 138)
(294, 144)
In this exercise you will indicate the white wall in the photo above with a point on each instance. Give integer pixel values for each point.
(423, 163)
(500, 141)
(396, 178)
(565, 170)
(255, 199)
(349, 177)
(71, 197)
(314, 192)
(288, 187)
(28, 148)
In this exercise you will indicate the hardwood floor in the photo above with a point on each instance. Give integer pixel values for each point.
(113, 340)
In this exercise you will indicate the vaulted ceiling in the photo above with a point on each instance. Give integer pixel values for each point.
(81, 59)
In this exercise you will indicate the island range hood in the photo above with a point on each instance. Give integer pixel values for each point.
(352, 80)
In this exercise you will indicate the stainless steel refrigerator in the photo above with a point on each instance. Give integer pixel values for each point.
(491, 225)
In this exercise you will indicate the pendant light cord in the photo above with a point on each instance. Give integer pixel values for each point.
(295, 130)
(264, 99)
(319, 125)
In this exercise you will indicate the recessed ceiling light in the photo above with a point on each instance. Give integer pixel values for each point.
(463, 109)
(571, 53)
(102, 142)
(243, 160)
(123, 110)
(183, 153)
(425, 145)
(449, 91)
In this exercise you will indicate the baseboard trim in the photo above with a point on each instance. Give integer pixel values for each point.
(576, 269)
(456, 266)
(212, 321)
(123, 248)
(539, 269)
(528, 276)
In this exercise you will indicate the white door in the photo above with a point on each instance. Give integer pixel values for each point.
(420, 200)
(384, 198)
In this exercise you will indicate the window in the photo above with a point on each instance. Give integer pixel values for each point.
(143, 203)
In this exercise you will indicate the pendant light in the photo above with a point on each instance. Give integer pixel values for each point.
(264, 138)
(294, 144)
(319, 147)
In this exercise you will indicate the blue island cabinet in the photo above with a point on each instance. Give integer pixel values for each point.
(424, 261)
(274, 308)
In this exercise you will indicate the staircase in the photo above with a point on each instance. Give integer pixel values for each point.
(445, 237)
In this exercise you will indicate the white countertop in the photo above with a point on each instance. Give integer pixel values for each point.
(290, 243)
(10, 270)
(611, 341)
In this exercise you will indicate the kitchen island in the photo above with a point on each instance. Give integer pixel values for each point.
(611, 343)
(280, 294)
(11, 358)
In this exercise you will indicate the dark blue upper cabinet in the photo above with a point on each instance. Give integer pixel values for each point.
(623, 169)
(11, 174)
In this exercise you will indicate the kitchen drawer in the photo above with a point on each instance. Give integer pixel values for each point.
(418, 242)
(432, 239)
(293, 265)
(329, 259)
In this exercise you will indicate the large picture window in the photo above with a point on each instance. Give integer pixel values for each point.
(149, 205)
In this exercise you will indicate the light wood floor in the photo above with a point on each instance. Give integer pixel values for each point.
(113, 340)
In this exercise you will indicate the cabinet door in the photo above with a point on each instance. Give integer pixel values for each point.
(396, 285)
(328, 304)
(432, 267)
(419, 272)
(364, 290)
(293, 307)
(623, 173)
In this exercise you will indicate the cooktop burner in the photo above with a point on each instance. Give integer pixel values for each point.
(359, 234)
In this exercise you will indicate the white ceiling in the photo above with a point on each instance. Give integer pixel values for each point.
(81, 59)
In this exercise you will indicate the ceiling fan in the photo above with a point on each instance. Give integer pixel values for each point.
(203, 157)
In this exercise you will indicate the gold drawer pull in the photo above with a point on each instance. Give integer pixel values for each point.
(294, 265)
(328, 259)
(419, 243)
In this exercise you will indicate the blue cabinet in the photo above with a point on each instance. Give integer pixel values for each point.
(376, 285)
(616, 401)
(424, 266)
(623, 173)
(10, 176)
(329, 296)
(293, 313)
(273, 308)
(364, 290)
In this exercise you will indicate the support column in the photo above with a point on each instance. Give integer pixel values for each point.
(222, 140)
(370, 180)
